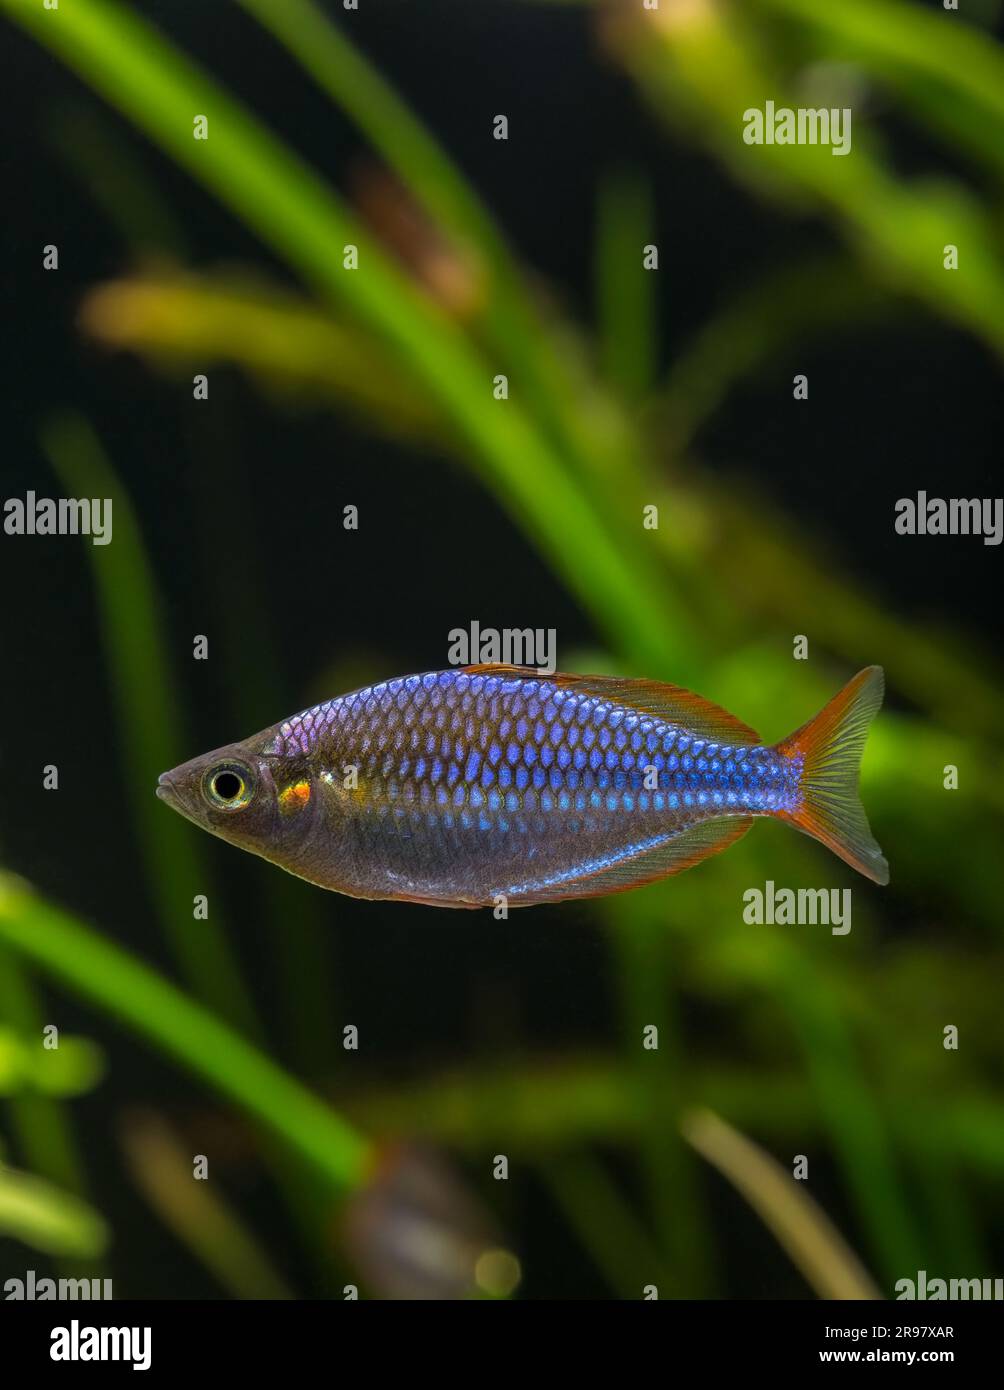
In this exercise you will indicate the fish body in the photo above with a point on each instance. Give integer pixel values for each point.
(462, 787)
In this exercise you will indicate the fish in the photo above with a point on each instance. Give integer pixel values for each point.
(492, 784)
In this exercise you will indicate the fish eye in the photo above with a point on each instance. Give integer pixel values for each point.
(228, 786)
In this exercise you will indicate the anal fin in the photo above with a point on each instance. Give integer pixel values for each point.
(651, 860)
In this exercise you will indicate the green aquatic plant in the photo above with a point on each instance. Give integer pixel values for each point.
(195, 1038)
(48, 1219)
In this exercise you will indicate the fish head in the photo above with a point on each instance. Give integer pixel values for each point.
(260, 803)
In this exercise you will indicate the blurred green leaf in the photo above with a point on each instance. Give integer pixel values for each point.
(788, 308)
(148, 709)
(784, 1205)
(951, 73)
(124, 988)
(285, 343)
(196, 1211)
(48, 1219)
(305, 222)
(503, 307)
(43, 1128)
(624, 288)
(708, 64)
(617, 1240)
(73, 1068)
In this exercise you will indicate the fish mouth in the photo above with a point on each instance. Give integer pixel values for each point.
(165, 789)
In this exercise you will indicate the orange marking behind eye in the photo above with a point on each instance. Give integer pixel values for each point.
(294, 798)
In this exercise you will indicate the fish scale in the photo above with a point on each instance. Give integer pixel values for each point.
(484, 737)
(463, 786)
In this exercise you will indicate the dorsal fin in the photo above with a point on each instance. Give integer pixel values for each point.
(670, 703)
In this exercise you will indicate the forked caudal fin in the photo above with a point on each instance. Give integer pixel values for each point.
(831, 746)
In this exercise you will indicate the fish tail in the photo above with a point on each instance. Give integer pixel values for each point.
(830, 747)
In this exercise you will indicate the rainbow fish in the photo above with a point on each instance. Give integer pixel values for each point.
(463, 787)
